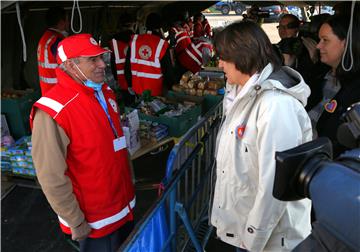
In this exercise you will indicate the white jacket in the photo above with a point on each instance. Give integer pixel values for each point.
(264, 117)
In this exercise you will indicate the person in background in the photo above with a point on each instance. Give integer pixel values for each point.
(198, 25)
(197, 54)
(119, 46)
(149, 65)
(188, 24)
(178, 37)
(266, 115)
(334, 93)
(79, 150)
(298, 48)
(288, 26)
(58, 25)
(252, 14)
(291, 46)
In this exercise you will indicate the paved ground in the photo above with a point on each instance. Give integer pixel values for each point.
(218, 20)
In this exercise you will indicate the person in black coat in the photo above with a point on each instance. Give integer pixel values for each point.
(340, 87)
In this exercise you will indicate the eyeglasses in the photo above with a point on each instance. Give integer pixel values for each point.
(291, 25)
(282, 27)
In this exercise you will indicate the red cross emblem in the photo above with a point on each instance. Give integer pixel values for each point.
(145, 52)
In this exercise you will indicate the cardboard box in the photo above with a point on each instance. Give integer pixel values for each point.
(131, 132)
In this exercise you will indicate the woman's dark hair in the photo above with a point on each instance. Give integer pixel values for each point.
(340, 25)
(294, 21)
(247, 46)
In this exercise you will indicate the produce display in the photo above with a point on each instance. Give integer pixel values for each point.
(163, 106)
(176, 113)
(13, 94)
(193, 84)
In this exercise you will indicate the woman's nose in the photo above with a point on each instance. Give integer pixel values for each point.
(318, 45)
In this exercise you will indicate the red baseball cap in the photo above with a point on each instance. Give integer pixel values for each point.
(79, 45)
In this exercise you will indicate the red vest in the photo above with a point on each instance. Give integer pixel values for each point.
(100, 176)
(147, 50)
(46, 60)
(188, 26)
(198, 30)
(182, 39)
(120, 49)
(191, 57)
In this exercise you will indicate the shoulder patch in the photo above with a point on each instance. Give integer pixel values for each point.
(113, 105)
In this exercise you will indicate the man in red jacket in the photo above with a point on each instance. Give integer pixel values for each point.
(119, 45)
(79, 150)
(149, 65)
(58, 25)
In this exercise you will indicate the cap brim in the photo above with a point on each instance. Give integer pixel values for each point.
(93, 52)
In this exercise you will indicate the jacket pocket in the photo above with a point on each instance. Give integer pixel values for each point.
(249, 153)
(242, 197)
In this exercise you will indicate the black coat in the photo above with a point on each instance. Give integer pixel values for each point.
(328, 123)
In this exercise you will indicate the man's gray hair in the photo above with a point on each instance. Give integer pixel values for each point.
(62, 65)
(76, 60)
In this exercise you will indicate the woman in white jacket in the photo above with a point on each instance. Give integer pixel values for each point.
(264, 114)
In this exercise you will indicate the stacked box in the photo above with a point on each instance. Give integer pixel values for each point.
(20, 157)
(158, 131)
(153, 131)
(5, 159)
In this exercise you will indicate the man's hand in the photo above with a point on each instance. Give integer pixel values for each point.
(310, 45)
(80, 232)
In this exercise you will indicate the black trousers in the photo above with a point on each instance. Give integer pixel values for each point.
(109, 243)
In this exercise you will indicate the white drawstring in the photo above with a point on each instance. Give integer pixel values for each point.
(349, 42)
(21, 30)
(76, 2)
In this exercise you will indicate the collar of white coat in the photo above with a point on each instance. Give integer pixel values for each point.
(232, 91)
(255, 79)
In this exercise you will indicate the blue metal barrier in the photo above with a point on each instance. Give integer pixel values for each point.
(187, 194)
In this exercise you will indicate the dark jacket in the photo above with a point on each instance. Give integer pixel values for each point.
(328, 123)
